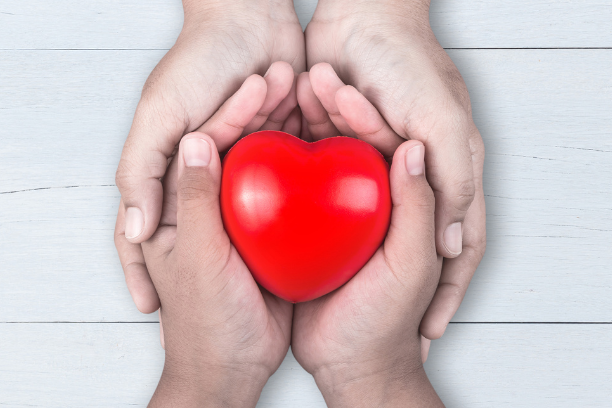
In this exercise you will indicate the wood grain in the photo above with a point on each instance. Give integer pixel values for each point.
(70, 78)
(544, 116)
(116, 365)
(155, 24)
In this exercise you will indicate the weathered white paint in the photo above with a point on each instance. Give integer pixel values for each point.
(544, 116)
(499, 365)
(155, 24)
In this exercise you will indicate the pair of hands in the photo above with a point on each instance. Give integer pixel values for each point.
(225, 336)
(385, 49)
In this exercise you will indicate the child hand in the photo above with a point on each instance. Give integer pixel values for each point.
(260, 103)
(329, 108)
(223, 335)
(220, 45)
(362, 343)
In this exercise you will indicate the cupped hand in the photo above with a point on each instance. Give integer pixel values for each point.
(268, 103)
(361, 342)
(223, 335)
(387, 51)
(220, 45)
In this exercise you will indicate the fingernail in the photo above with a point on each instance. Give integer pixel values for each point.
(134, 222)
(268, 71)
(196, 152)
(453, 238)
(415, 160)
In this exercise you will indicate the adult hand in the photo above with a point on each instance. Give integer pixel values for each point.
(387, 51)
(223, 336)
(221, 44)
(361, 342)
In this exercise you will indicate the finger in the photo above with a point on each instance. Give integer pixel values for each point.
(444, 127)
(170, 183)
(325, 83)
(227, 125)
(409, 248)
(132, 260)
(157, 128)
(425, 345)
(363, 118)
(161, 331)
(319, 125)
(458, 272)
(305, 131)
(199, 227)
(283, 111)
(293, 124)
(279, 81)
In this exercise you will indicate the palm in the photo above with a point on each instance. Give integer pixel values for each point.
(208, 67)
(234, 300)
(232, 306)
(329, 330)
(389, 53)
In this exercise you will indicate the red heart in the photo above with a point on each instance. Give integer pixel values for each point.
(305, 217)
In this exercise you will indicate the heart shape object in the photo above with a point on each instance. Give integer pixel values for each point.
(305, 217)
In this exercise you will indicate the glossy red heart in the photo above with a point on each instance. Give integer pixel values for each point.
(305, 217)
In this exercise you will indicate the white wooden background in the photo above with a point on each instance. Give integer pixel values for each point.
(535, 329)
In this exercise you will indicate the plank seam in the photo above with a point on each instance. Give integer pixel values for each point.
(156, 322)
(58, 187)
(167, 49)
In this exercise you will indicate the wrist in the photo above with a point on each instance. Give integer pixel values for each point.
(213, 10)
(407, 9)
(209, 386)
(402, 385)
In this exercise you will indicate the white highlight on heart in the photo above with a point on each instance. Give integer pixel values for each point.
(356, 194)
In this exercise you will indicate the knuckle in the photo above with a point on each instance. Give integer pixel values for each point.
(440, 116)
(477, 147)
(479, 247)
(196, 190)
(462, 195)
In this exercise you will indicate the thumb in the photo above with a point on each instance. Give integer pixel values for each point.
(200, 231)
(410, 247)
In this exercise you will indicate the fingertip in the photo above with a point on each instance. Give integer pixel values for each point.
(196, 150)
(303, 87)
(256, 84)
(425, 345)
(347, 93)
(411, 154)
(432, 330)
(134, 224)
(161, 330)
(322, 70)
(436, 320)
(280, 69)
(452, 239)
(141, 288)
(325, 83)
(199, 135)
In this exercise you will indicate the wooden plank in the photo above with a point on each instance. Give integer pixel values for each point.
(108, 365)
(522, 24)
(104, 365)
(155, 24)
(523, 366)
(544, 115)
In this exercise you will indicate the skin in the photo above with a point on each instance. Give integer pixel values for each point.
(362, 342)
(223, 335)
(236, 334)
(220, 45)
(387, 51)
